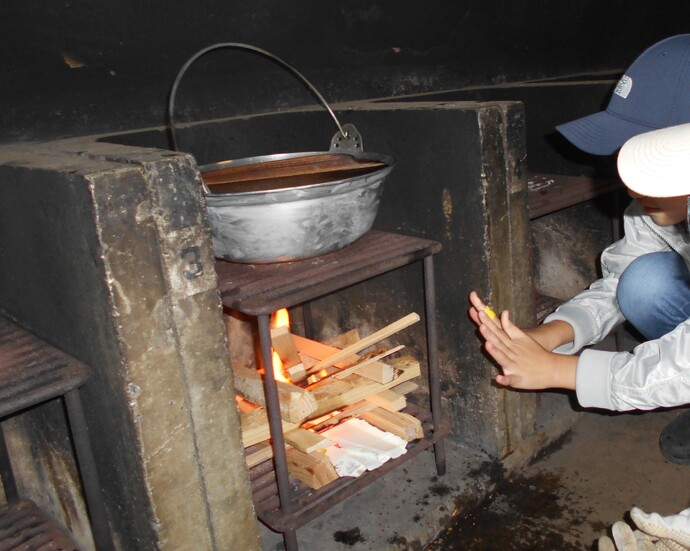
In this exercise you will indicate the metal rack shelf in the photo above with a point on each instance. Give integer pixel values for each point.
(32, 372)
(261, 289)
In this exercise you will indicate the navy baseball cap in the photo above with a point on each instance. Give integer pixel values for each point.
(653, 93)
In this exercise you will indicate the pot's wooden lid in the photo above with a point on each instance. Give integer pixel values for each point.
(289, 172)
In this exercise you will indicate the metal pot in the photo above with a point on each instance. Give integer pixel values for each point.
(264, 220)
(294, 222)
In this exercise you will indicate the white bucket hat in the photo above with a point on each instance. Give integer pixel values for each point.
(657, 163)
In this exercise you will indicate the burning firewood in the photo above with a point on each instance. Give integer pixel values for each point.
(296, 403)
(331, 394)
(263, 451)
(377, 371)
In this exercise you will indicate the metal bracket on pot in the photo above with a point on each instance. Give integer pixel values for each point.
(347, 141)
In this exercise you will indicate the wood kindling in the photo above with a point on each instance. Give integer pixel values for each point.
(306, 440)
(330, 394)
(264, 451)
(365, 342)
(404, 425)
(296, 403)
(388, 399)
(283, 344)
(348, 384)
(377, 371)
(313, 469)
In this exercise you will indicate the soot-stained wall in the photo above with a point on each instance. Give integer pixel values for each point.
(73, 67)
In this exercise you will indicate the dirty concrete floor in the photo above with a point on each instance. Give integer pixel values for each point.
(594, 467)
(567, 499)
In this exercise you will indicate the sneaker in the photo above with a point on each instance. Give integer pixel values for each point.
(674, 440)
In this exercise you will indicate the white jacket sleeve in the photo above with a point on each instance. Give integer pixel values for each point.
(655, 374)
(593, 313)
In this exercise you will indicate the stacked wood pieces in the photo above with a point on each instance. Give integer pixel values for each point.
(375, 394)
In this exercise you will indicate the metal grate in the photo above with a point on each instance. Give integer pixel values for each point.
(312, 503)
(32, 371)
(259, 289)
(23, 526)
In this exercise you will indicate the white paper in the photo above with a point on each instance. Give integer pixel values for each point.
(359, 445)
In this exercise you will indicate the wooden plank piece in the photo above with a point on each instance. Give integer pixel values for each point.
(406, 387)
(331, 394)
(282, 342)
(378, 371)
(263, 452)
(404, 425)
(388, 399)
(313, 469)
(255, 429)
(306, 440)
(296, 403)
(364, 363)
(366, 342)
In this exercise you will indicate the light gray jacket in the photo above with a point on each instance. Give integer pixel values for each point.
(656, 373)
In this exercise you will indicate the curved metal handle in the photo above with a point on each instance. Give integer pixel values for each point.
(240, 45)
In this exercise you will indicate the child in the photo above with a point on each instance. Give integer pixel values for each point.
(653, 93)
(645, 281)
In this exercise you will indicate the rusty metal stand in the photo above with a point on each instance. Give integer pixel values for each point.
(33, 372)
(260, 290)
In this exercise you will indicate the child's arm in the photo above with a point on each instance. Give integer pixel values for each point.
(552, 334)
(525, 363)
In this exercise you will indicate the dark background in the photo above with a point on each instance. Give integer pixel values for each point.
(71, 67)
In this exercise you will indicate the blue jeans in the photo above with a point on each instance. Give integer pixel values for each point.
(654, 293)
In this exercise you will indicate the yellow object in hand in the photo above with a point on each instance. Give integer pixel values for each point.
(489, 312)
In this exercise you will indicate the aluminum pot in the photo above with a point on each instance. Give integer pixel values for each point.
(266, 220)
(296, 221)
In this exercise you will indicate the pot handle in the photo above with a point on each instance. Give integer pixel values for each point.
(346, 139)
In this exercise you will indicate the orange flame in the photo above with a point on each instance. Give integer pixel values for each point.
(278, 369)
(281, 318)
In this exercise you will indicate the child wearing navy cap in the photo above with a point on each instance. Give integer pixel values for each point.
(646, 278)
(653, 93)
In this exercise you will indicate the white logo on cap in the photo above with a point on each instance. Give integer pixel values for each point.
(623, 87)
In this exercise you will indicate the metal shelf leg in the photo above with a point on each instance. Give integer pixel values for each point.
(87, 468)
(276, 428)
(6, 474)
(432, 352)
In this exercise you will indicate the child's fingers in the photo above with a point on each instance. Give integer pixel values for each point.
(506, 380)
(494, 333)
(479, 306)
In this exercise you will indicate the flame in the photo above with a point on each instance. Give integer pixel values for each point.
(281, 318)
(278, 369)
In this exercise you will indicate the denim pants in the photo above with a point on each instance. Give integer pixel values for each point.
(654, 293)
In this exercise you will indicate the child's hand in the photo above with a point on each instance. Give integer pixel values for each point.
(524, 362)
(478, 307)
